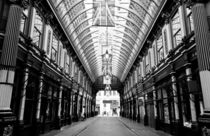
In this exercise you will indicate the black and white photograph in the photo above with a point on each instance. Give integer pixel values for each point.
(104, 67)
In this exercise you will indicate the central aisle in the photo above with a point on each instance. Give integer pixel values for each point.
(106, 126)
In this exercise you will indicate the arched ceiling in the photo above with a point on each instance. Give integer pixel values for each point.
(133, 20)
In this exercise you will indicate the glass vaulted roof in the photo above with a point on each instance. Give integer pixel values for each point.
(94, 26)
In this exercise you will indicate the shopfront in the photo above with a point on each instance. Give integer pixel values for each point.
(165, 106)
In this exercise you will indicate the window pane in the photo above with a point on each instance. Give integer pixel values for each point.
(54, 51)
(4, 6)
(37, 32)
(23, 21)
(189, 20)
(176, 29)
(160, 53)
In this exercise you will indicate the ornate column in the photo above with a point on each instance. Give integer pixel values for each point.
(83, 107)
(76, 106)
(174, 87)
(23, 94)
(70, 105)
(145, 110)
(39, 96)
(80, 106)
(177, 124)
(89, 108)
(138, 108)
(128, 106)
(81, 112)
(58, 125)
(86, 106)
(134, 108)
(192, 99)
(155, 107)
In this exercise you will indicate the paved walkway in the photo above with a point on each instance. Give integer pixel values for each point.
(107, 126)
(141, 130)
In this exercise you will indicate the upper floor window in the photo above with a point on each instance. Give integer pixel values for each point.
(147, 66)
(66, 62)
(139, 73)
(176, 29)
(60, 53)
(133, 76)
(48, 41)
(154, 52)
(190, 24)
(4, 10)
(37, 32)
(160, 53)
(23, 22)
(131, 81)
(54, 49)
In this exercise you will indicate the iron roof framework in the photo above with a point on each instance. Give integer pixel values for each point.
(133, 20)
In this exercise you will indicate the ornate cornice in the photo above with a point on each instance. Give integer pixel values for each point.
(190, 3)
(23, 3)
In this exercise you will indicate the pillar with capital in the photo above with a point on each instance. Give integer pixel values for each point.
(8, 64)
(58, 118)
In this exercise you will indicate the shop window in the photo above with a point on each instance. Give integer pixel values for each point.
(198, 91)
(30, 102)
(4, 10)
(17, 88)
(190, 24)
(160, 53)
(65, 103)
(163, 107)
(24, 20)
(54, 49)
(160, 104)
(49, 105)
(185, 103)
(37, 31)
(176, 29)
